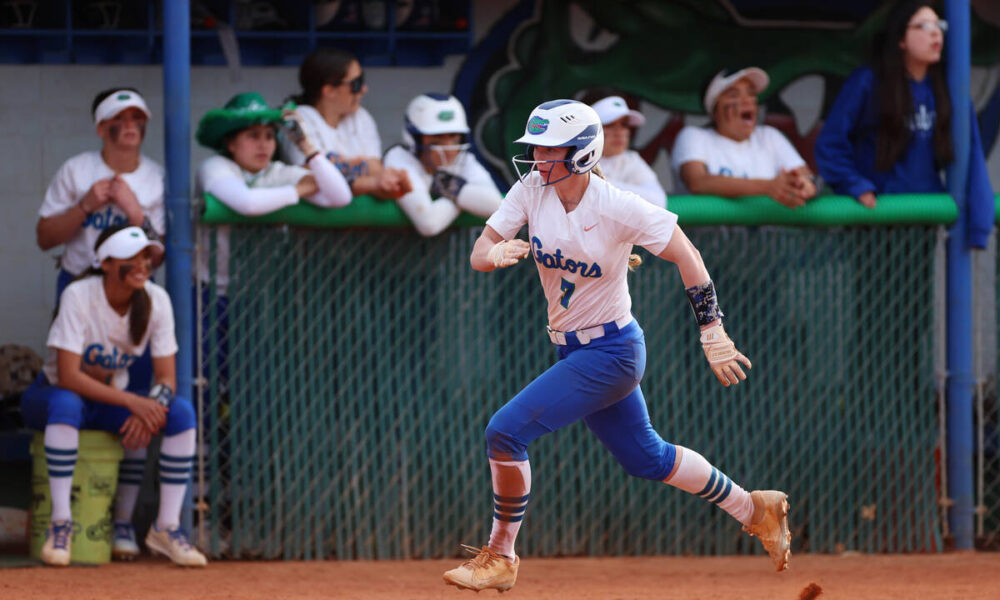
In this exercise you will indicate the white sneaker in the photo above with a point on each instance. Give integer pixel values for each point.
(486, 570)
(56, 549)
(173, 543)
(770, 525)
(124, 545)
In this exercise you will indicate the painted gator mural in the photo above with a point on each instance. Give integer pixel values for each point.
(661, 53)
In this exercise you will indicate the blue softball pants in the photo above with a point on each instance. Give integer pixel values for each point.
(46, 404)
(599, 383)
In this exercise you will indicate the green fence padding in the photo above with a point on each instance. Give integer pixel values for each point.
(825, 211)
(363, 211)
(349, 397)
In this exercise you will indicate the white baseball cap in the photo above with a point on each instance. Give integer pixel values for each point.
(125, 244)
(725, 79)
(612, 108)
(118, 101)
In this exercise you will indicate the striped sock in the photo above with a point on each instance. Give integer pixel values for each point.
(511, 491)
(695, 475)
(176, 458)
(61, 443)
(130, 472)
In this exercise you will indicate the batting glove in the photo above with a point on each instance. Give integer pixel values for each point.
(723, 356)
(446, 185)
(505, 254)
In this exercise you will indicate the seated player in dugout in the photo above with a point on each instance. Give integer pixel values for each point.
(446, 177)
(733, 156)
(329, 106)
(104, 321)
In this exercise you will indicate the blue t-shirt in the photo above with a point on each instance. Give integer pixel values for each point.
(845, 151)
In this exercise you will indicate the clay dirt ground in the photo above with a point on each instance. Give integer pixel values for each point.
(855, 577)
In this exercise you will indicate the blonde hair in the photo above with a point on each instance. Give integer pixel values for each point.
(634, 260)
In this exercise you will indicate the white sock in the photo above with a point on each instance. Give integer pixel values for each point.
(176, 458)
(696, 476)
(130, 472)
(511, 488)
(61, 444)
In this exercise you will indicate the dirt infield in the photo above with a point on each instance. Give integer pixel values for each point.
(925, 577)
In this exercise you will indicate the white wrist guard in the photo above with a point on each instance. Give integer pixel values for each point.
(717, 345)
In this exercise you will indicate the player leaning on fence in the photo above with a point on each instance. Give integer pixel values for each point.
(446, 177)
(582, 230)
(104, 320)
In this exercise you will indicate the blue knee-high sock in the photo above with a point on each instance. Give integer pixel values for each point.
(61, 443)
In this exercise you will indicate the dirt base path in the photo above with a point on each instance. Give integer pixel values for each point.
(922, 577)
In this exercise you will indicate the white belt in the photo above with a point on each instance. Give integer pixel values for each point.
(582, 337)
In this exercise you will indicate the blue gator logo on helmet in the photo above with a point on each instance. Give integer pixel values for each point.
(537, 125)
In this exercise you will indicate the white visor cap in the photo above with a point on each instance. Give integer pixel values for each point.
(722, 82)
(117, 102)
(612, 108)
(125, 244)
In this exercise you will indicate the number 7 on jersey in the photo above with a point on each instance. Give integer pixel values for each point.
(567, 288)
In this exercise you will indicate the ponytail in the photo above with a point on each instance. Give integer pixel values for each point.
(634, 260)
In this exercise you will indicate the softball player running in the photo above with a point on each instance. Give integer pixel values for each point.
(104, 321)
(582, 231)
(447, 179)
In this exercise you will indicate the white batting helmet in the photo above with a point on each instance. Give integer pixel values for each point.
(432, 114)
(559, 123)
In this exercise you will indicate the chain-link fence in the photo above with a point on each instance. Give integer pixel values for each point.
(985, 279)
(345, 407)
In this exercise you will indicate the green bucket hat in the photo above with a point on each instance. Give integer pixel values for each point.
(242, 111)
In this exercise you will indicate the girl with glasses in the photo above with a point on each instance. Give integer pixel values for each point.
(889, 131)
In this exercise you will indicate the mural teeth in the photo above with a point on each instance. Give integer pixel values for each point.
(800, 97)
(983, 85)
(586, 33)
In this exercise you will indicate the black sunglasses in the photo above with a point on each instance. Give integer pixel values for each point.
(355, 84)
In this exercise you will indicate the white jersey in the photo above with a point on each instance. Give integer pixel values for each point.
(72, 182)
(87, 325)
(467, 167)
(582, 256)
(628, 171)
(761, 156)
(217, 167)
(356, 135)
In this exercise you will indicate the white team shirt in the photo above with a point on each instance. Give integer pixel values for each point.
(582, 256)
(88, 326)
(354, 136)
(72, 182)
(215, 167)
(761, 156)
(628, 171)
(467, 167)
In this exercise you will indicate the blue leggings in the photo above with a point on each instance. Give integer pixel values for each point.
(46, 404)
(599, 383)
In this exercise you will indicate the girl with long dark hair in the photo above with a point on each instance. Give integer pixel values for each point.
(104, 321)
(889, 131)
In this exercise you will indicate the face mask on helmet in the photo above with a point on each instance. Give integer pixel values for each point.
(557, 124)
(435, 114)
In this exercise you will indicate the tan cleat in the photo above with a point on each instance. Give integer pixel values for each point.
(486, 570)
(56, 549)
(770, 524)
(173, 544)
